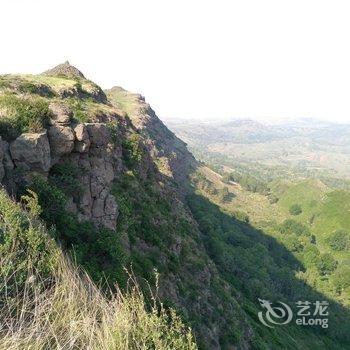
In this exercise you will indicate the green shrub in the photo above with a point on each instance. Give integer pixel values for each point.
(24, 244)
(295, 209)
(51, 199)
(132, 152)
(293, 243)
(225, 195)
(311, 255)
(339, 240)
(291, 226)
(64, 176)
(78, 108)
(326, 264)
(341, 278)
(98, 250)
(241, 216)
(19, 115)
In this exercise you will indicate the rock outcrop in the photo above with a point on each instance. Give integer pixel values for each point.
(31, 151)
(88, 147)
(66, 70)
(83, 87)
(168, 151)
(61, 113)
(61, 140)
(82, 142)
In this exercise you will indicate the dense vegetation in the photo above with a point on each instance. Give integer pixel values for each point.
(102, 258)
(280, 267)
(46, 302)
(22, 115)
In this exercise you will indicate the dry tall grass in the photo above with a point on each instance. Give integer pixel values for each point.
(70, 312)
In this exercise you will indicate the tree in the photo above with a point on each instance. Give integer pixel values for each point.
(295, 209)
(339, 240)
(341, 279)
(291, 226)
(311, 255)
(327, 264)
(293, 244)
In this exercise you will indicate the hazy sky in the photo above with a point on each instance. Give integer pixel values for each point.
(194, 59)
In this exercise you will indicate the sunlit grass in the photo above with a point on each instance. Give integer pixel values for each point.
(68, 311)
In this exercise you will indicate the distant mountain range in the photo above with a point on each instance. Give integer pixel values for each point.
(307, 143)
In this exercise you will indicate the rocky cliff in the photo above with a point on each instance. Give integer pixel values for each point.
(87, 146)
(168, 151)
(117, 189)
(113, 164)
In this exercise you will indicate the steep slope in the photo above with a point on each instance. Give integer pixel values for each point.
(101, 190)
(238, 258)
(117, 189)
(168, 151)
(47, 303)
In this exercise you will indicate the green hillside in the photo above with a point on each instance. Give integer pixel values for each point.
(98, 176)
(48, 303)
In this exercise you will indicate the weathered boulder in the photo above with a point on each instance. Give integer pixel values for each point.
(31, 151)
(61, 139)
(99, 134)
(82, 142)
(61, 113)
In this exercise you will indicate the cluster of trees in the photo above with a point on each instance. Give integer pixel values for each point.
(248, 182)
(339, 240)
(255, 263)
(298, 239)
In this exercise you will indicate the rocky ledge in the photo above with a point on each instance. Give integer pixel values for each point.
(88, 146)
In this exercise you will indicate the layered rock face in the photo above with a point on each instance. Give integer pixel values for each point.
(86, 145)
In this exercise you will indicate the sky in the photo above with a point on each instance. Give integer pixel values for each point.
(270, 59)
